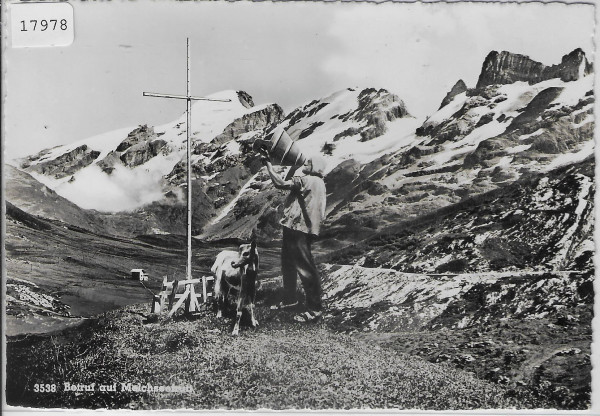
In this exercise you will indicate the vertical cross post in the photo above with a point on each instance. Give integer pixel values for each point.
(188, 97)
(188, 128)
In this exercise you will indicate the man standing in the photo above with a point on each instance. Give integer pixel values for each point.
(303, 213)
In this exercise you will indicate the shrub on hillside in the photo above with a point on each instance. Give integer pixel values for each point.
(328, 148)
(453, 266)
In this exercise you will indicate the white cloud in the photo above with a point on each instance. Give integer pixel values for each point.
(124, 189)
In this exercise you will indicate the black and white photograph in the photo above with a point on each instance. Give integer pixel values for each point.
(298, 205)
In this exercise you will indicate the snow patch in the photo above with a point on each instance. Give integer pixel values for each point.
(574, 90)
(535, 133)
(517, 149)
(586, 150)
(232, 204)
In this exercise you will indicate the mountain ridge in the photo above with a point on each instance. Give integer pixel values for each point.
(506, 68)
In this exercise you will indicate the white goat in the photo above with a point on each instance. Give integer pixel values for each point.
(237, 271)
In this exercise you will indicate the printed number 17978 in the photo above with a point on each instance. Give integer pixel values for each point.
(43, 25)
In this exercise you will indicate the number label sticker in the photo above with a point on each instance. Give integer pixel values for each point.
(41, 24)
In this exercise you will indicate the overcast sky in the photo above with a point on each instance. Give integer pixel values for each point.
(288, 53)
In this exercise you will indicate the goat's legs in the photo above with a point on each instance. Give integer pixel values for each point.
(220, 306)
(252, 318)
(236, 328)
(218, 295)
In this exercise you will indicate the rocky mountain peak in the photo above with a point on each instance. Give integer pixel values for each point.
(574, 65)
(245, 99)
(506, 67)
(377, 107)
(458, 88)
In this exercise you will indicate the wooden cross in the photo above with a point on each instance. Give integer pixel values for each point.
(188, 97)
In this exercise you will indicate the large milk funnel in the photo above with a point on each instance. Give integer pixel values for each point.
(283, 150)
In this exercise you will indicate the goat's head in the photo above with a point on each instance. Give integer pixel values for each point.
(247, 254)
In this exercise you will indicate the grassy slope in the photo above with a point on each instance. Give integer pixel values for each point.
(282, 365)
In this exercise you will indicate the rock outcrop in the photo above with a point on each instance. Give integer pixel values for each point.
(64, 165)
(140, 145)
(375, 108)
(245, 99)
(458, 88)
(107, 164)
(142, 134)
(506, 68)
(386, 300)
(140, 153)
(257, 120)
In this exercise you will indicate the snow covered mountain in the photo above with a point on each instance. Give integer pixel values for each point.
(384, 165)
(349, 126)
(130, 165)
(352, 124)
(142, 170)
(137, 175)
(522, 118)
(480, 139)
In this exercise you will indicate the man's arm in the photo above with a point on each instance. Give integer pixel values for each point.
(277, 181)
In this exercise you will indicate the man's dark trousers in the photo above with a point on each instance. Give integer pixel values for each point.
(297, 260)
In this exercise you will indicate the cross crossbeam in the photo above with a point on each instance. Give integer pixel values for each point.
(189, 98)
(183, 97)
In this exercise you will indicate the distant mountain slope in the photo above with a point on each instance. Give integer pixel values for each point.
(544, 222)
(31, 196)
(25, 192)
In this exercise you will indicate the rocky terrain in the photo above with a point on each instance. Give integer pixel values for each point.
(542, 223)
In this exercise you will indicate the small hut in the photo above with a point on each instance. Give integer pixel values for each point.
(139, 274)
